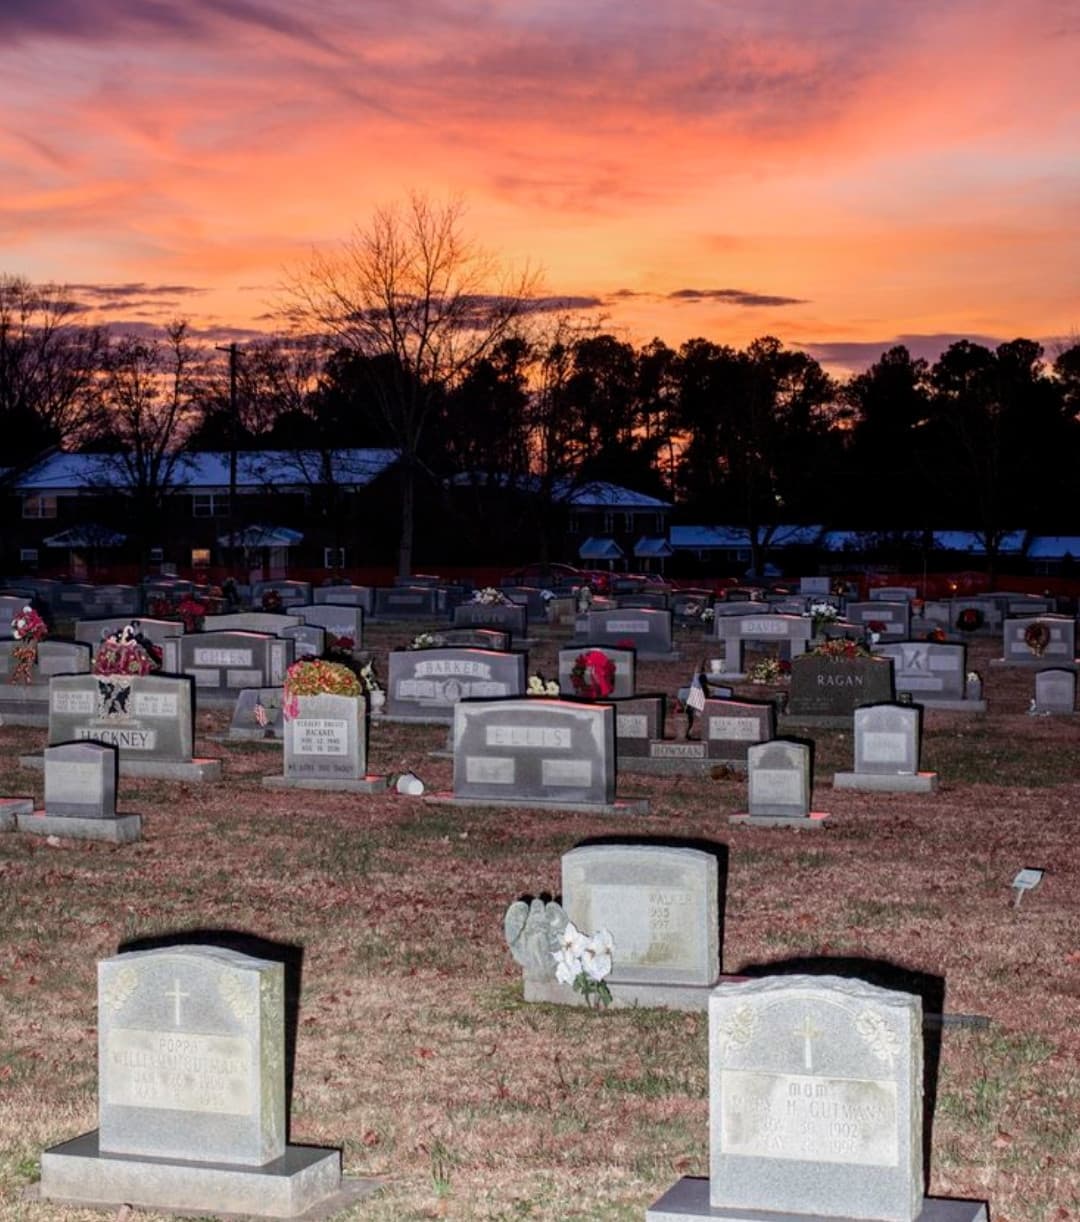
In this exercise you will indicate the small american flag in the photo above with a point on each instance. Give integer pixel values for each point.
(260, 715)
(696, 697)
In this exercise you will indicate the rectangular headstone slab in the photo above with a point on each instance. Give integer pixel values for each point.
(309, 641)
(625, 670)
(80, 781)
(407, 602)
(659, 903)
(639, 720)
(347, 596)
(425, 684)
(891, 621)
(893, 594)
(1060, 636)
(729, 728)
(829, 687)
(327, 739)
(145, 717)
(223, 663)
(815, 585)
(53, 658)
(887, 739)
(291, 593)
(474, 638)
(93, 631)
(645, 630)
(504, 617)
(340, 623)
(534, 748)
(251, 621)
(815, 1098)
(779, 780)
(1055, 691)
(790, 633)
(191, 1055)
(928, 670)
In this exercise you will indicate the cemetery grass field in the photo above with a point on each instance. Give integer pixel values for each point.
(415, 1053)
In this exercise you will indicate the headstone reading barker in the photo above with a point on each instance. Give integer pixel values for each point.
(425, 684)
(815, 1108)
(191, 1081)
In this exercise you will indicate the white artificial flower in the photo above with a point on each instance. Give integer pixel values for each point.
(596, 957)
(567, 967)
(552, 688)
(572, 941)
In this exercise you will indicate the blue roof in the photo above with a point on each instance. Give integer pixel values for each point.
(738, 537)
(651, 545)
(600, 549)
(1054, 547)
(971, 541)
(255, 468)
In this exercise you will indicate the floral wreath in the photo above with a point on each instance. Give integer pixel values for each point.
(841, 649)
(971, 619)
(593, 675)
(125, 653)
(1037, 637)
(316, 677)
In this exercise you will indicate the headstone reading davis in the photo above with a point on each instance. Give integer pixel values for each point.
(815, 1108)
(80, 797)
(536, 752)
(191, 1086)
(779, 786)
(326, 746)
(887, 740)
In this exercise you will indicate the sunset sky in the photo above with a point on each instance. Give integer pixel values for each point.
(843, 174)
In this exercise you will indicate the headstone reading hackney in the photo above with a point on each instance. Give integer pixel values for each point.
(647, 631)
(624, 660)
(191, 1083)
(534, 750)
(223, 663)
(425, 684)
(505, 617)
(815, 1107)
(1055, 691)
(887, 751)
(660, 904)
(835, 687)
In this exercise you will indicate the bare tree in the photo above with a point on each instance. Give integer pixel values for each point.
(422, 304)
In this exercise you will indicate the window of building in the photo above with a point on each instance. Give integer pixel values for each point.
(39, 506)
(200, 557)
(28, 556)
(333, 557)
(209, 504)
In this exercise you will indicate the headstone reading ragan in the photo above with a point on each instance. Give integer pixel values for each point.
(191, 1084)
(828, 690)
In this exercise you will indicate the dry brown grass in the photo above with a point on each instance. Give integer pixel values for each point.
(415, 1052)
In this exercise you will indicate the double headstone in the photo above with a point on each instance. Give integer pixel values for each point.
(729, 728)
(223, 663)
(932, 673)
(790, 633)
(425, 684)
(1044, 640)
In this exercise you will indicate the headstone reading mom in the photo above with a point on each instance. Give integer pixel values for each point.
(223, 663)
(1055, 691)
(425, 684)
(815, 1108)
(536, 752)
(80, 796)
(326, 746)
(887, 740)
(779, 786)
(191, 1086)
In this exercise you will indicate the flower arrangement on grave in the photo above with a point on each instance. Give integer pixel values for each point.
(192, 612)
(584, 599)
(769, 670)
(490, 597)
(28, 628)
(582, 962)
(126, 652)
(708, 615)
(877, 625)
(369, 678)
(625, 643)
(821, 614)
(317, 677)
(593, 675)
(937, 635)
(339, 644)
(1037, 637)
(842, 649)
(425, 640)
(271, 601)
(539, 686)
(970, 619)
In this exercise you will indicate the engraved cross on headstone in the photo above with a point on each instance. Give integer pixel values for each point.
(176, 996)
(809, 1033)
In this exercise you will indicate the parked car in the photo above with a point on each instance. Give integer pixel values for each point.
(555, 574)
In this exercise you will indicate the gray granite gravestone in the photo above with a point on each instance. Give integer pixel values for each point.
(729, 728)
(426, 684)
(340, 623)
(93, 631)
(779, 786)
(274, 622)
(473, 638)
(790, 633)
(688, 606)
(932, 673)
(639, 721)
(347, 596)
(309, 640)
(536, 752)
(249, 724)
(647, 631)
(326, 746)
(625, 668)
(191, 1081)
(291, 593)
(887, 738)
(223, 663)
(504, 617)
(816, 586)
(80, 796)
(657, 600)
(825, 690)
(407, 602)
(1059, 649)
(815, 1108)
(1055, 691)
(891, 621)
(27, 704)
(893, 594)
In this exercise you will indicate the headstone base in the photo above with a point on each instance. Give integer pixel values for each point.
(624, 994)
(814, 721)
(810, 822)
(1037, 663)
(875, 782)
(621, 806)
(685, 765)
(10, 808)
(194, 770)
(119, 829)
(948, 706)
(38, 721)
(293, 1186)
(689, 1199)
(364, 784)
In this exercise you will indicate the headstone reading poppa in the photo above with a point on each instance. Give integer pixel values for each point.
(647, 631)
(425, 684)
(789, 633)
(625, 666)
(659, 903)
(887, 738)
(815, 1107)
(80, 796)
(1044, 640)
(505, 617)
(191, 1082)
(833, 688)
(223, 663)
(1055, 691)
(536, 751)
(326, 746)
(779, 786)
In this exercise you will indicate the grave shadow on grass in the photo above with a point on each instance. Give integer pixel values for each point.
(887, 975)
(290, 955)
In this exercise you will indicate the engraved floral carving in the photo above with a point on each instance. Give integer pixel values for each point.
(239, 999)
(271, 995)
(736, 1029)
(118, 988)
(882, 1041)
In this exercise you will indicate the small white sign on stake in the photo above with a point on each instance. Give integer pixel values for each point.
(1026, 880)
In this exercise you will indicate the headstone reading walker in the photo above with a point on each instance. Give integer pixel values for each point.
(191, 1094)
(887, 739)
